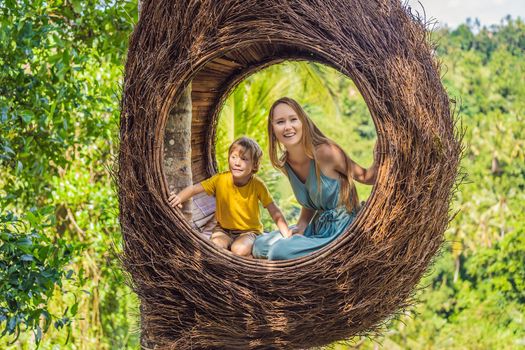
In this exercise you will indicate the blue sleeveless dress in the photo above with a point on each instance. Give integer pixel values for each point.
(329, 222)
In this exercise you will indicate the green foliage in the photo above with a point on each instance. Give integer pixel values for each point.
(482, 308)
(61, 64)
(56, 57)
(471, 36)
(500, 269)
(32, 267)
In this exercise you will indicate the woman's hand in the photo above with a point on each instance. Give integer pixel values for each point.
(376, 151)
(297, 230)
(174, 200)
(305, 217)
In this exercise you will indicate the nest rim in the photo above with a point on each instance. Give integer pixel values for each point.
(232, 84)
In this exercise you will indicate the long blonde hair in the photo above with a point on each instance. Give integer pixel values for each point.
(312, 137)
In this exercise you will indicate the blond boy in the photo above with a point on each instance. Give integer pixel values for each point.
(237, 194)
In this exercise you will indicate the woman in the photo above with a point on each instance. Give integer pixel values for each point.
(321, 175)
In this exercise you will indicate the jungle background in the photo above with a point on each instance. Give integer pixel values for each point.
(61, 284)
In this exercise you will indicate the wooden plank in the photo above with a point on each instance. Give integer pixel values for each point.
(200, 94)
(202, 102)
(228, 62)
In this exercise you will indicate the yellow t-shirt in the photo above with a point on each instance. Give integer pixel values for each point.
(237, 208)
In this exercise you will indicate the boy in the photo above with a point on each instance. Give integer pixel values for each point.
(237, 194)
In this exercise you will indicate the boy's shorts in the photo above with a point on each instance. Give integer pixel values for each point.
(232, 235)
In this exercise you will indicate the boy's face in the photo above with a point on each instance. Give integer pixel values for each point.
(240, 162)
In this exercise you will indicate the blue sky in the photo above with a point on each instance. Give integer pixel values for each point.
(454, 12)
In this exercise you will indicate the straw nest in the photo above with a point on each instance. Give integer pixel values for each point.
(196, 297)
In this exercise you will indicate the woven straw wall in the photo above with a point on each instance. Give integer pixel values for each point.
(196, 297)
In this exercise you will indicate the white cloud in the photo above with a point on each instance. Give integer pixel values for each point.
(455, 12)
(453, 3)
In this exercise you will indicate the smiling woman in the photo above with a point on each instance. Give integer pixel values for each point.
(195, 296)
(321, 175)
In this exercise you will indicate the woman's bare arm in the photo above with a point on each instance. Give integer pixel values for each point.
(364, 176)
(332, 155)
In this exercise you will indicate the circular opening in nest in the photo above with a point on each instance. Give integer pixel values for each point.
(216, 81)
(329, 98)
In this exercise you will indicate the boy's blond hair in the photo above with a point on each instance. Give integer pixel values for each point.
(251, 146)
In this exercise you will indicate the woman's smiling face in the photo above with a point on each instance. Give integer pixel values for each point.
(286, 125)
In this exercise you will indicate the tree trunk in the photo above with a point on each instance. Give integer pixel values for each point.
(177, 148)
(177, 168)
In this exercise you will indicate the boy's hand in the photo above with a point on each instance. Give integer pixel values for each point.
(174, 200)
(287, 234)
